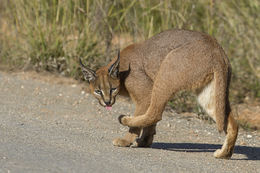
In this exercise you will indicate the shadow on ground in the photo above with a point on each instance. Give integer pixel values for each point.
(252, 153)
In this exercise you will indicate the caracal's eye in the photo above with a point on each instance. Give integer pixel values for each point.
(99, 92)
(113, 90)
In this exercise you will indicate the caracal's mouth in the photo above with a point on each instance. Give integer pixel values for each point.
(109, 108)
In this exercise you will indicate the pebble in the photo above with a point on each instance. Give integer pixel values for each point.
(249, 136)
(168, 125)
(82, 92)
(74, 86)
(75, 103)
(22, 87)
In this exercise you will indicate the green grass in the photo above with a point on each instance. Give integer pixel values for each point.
(52, 34)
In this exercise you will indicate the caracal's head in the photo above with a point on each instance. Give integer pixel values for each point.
(104, 83)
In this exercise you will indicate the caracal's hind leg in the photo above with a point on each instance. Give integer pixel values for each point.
(231, 135)
(207, 100)
(141, 95)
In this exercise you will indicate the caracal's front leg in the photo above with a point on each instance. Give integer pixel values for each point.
(133, 132)
(153, 114)
(165, 85)
(140, 92)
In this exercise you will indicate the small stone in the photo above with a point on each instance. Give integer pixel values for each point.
(22, 87)
(75, 103)
(168, 125)
(60, 94)
(249, 136)
(73, 86)
(82, 92)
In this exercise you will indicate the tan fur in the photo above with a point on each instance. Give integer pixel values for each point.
(152, 71)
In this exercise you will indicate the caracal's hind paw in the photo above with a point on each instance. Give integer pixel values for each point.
(121, 142)
(220, 154)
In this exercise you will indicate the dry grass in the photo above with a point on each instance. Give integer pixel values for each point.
(52, 34)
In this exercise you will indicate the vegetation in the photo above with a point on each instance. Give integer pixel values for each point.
(52, 34)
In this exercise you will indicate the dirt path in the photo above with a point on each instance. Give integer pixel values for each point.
(49, 124)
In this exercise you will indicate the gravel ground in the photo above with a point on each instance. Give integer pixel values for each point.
(49, 124)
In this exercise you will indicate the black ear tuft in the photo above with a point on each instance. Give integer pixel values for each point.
(89, 75)
(113, 70)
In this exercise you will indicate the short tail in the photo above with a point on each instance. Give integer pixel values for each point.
(222, 107)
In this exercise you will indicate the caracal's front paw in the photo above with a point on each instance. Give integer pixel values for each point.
(121, 142)
(222, 154)
(124, 119)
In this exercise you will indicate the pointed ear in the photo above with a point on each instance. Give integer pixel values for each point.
(89, 75)
(113, 70)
